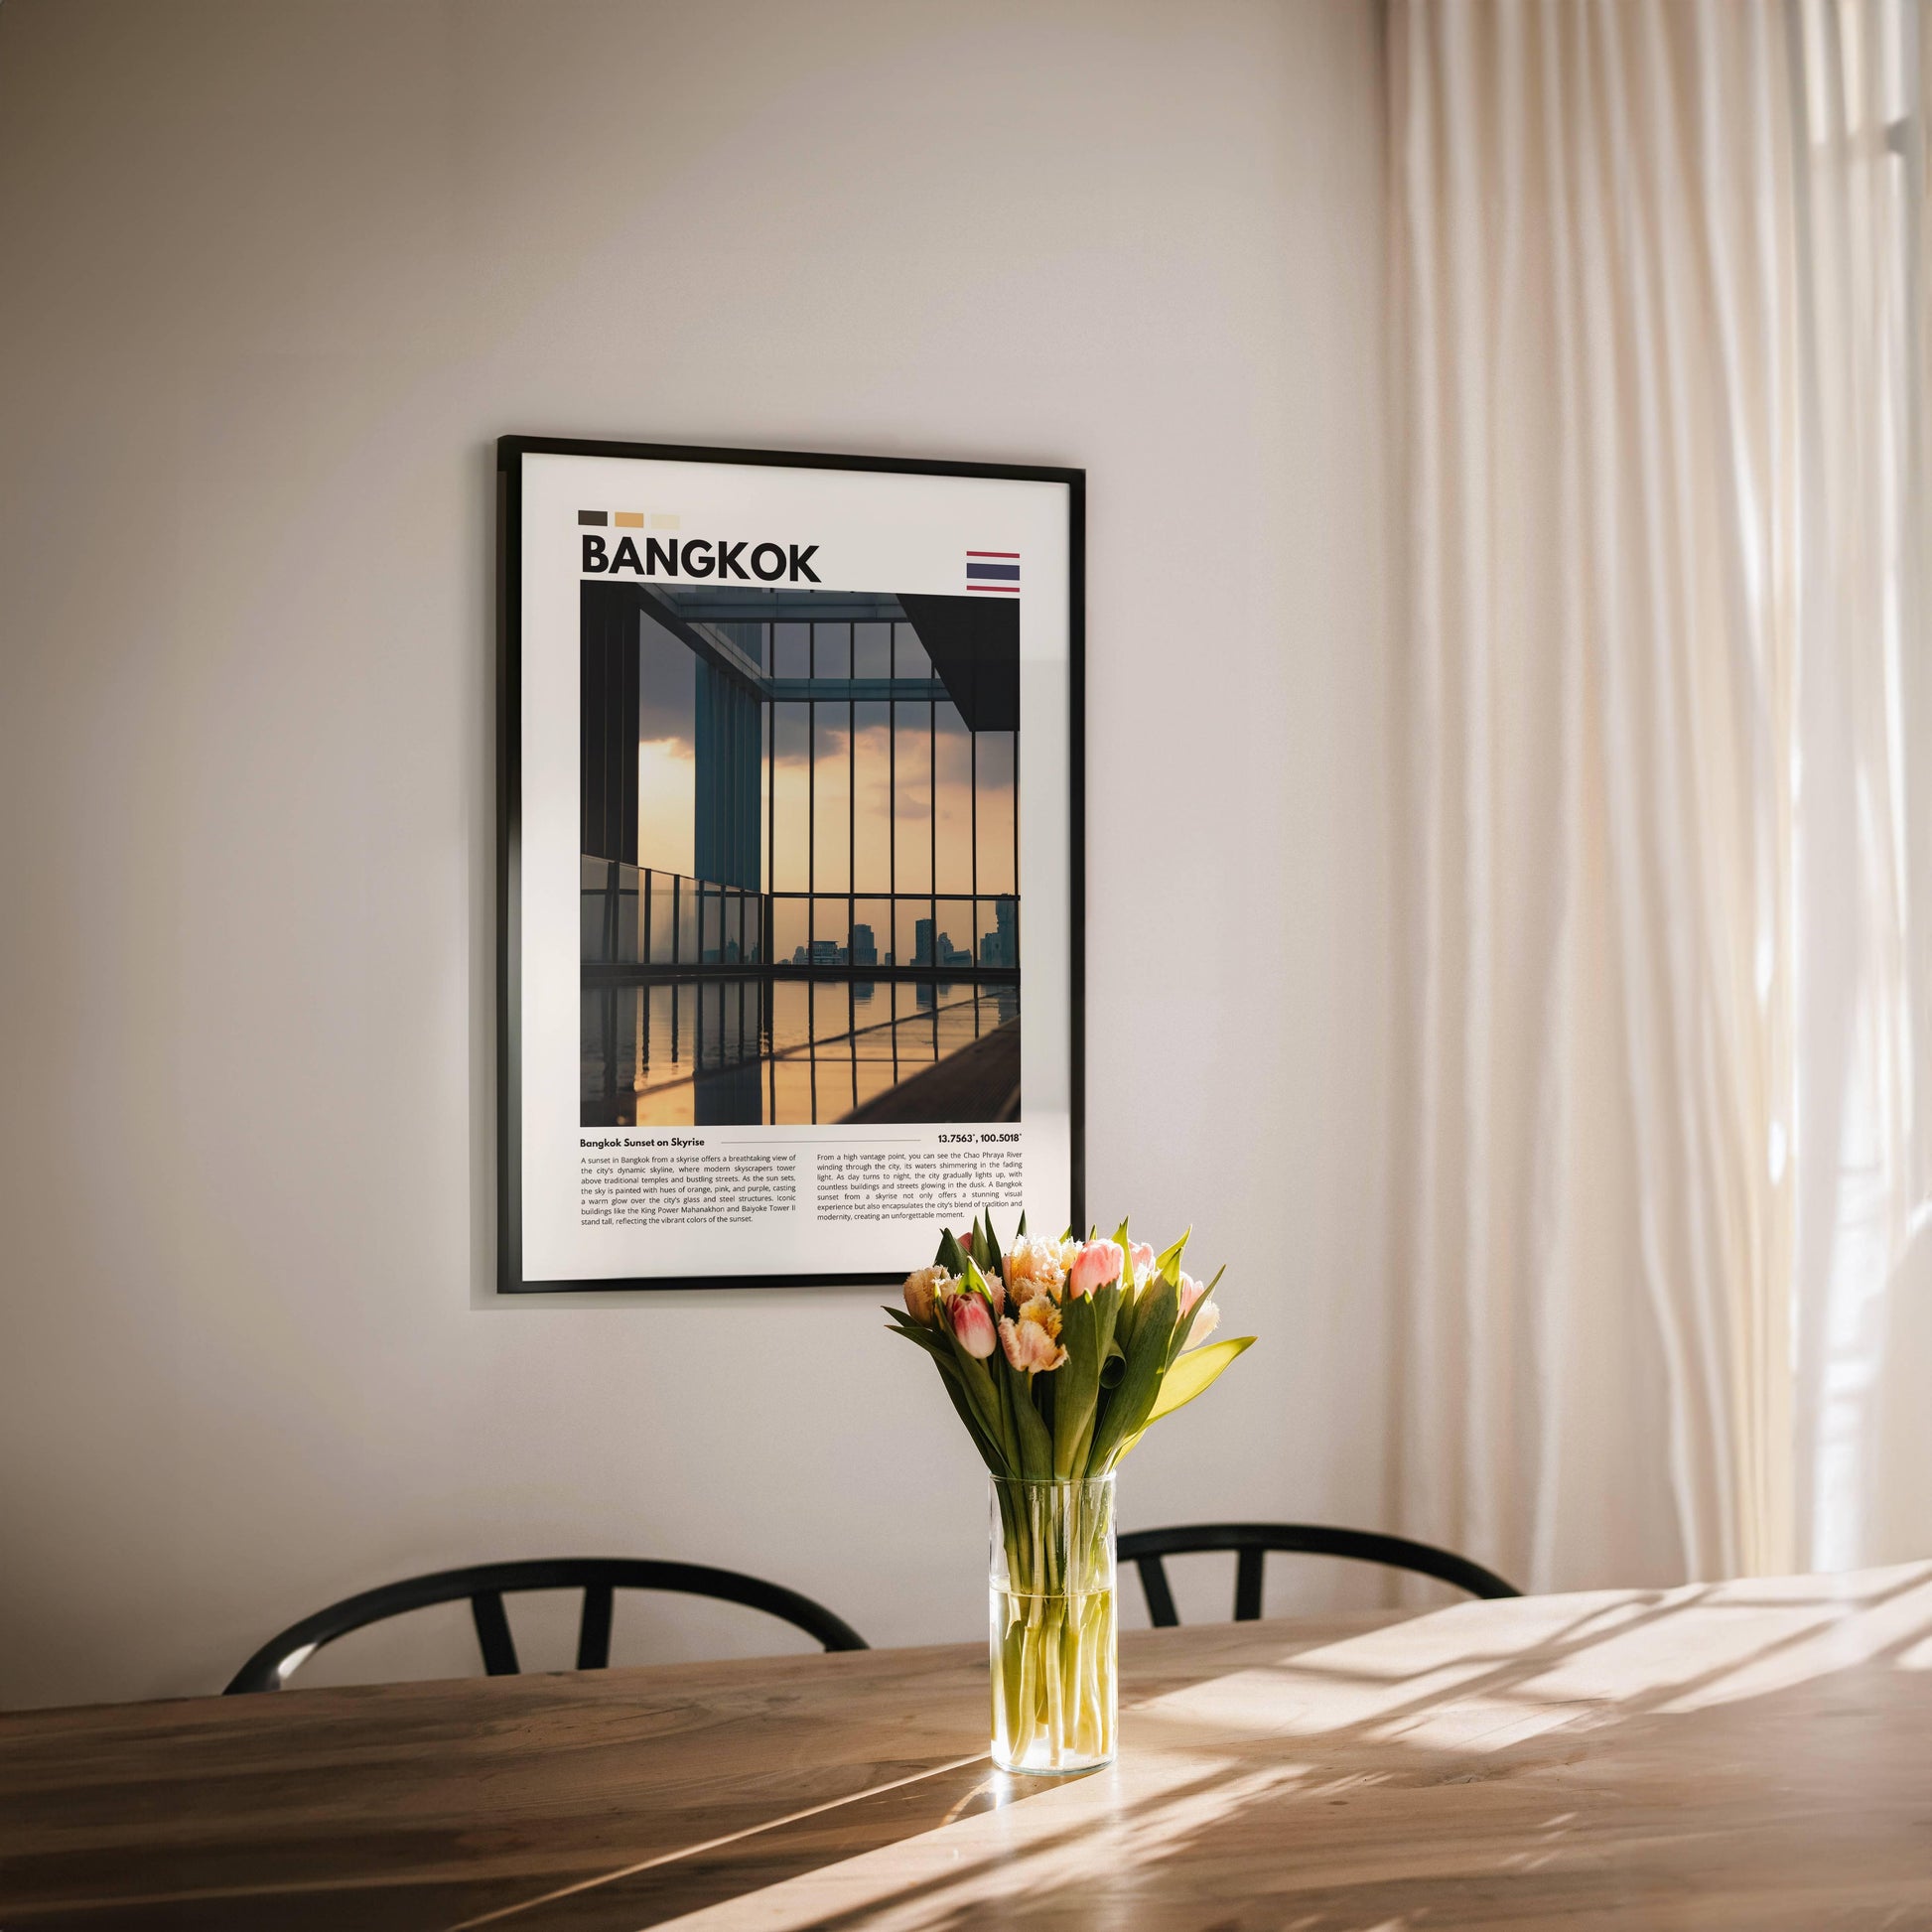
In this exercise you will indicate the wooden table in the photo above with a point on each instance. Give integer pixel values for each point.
(1755, 1756)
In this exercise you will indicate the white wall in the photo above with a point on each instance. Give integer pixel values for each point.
(274, 278)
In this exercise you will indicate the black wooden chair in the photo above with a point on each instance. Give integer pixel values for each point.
(1145, 1549)
(485, 1585)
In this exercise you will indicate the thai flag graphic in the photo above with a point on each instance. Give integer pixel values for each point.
(992, 570)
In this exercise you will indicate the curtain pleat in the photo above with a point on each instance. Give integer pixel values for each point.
(1659, 356)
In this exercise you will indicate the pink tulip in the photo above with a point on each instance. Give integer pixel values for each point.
(1029, 1348)
(1141, 1255)
(1098, 1262)
(972, 1324)
(1190, 1291)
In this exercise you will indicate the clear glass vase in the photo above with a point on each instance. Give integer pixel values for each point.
(1052, 1633)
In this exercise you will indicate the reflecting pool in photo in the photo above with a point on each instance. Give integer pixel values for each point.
(744, 1050)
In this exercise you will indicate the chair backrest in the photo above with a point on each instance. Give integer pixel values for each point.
(1146, 1547)
(485, 1585)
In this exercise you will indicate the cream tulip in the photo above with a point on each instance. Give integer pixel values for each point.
(924, 1289)
(1044, 1309)
(1033, 1267)
(1029, 1347)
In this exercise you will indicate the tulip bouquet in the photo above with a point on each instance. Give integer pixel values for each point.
(1059, 1356)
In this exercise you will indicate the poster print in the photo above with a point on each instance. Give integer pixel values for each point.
(791, 861)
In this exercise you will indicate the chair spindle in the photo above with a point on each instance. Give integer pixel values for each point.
(593, 1632)
(493, 1633)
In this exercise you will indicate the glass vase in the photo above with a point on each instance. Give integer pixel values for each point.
(1052, 1633)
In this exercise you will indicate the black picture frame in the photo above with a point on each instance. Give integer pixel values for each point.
(510, 449)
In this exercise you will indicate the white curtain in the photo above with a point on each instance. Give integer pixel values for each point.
(1664, 1233)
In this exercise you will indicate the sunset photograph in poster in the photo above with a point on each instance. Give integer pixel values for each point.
(800, 864)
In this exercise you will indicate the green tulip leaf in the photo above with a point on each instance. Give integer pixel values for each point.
(1193, 1373)
(1167, 1263)
(1076, 1384)
(1147, 1360)
(1036, 1439)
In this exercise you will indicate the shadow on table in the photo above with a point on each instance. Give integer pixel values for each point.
(1757, 1756)
(1329, 1792)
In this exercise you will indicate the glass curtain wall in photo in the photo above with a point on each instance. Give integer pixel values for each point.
(800, 872)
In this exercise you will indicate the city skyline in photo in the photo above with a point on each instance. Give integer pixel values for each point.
(777, 785)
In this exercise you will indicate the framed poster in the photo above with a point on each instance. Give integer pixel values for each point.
(778, 860)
